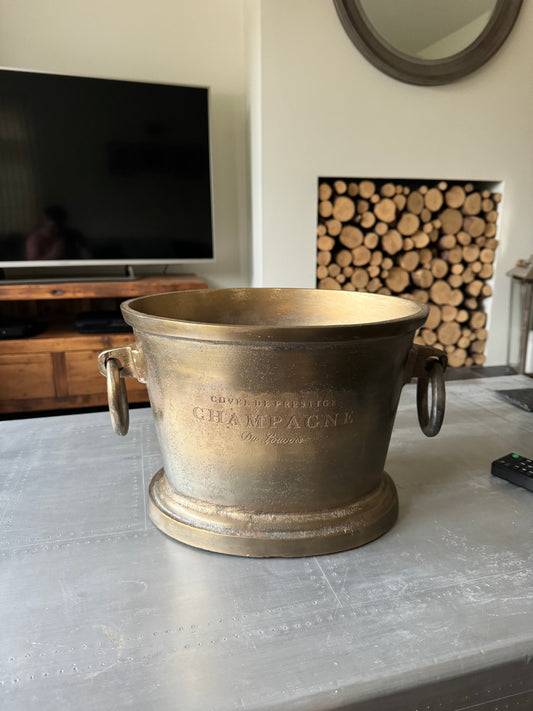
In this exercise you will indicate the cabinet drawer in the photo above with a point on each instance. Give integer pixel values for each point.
(26, 377)
(83, 376)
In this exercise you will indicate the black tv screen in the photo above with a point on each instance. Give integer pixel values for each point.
(99, 170)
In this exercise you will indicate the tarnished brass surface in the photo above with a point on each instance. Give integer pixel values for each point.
(274, 410)
(240, 532)
(116, 364)
(117, 397)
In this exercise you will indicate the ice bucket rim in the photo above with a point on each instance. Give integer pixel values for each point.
(317, 332)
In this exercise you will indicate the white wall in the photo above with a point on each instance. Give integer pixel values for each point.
(199, 42)
(325, 111)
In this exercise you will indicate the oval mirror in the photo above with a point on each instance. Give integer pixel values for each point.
(428, 41)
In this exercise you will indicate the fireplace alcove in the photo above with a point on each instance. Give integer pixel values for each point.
(433, 241)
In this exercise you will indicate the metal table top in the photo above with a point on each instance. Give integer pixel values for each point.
(99, 610)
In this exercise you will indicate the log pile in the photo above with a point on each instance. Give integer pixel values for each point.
(431, 243)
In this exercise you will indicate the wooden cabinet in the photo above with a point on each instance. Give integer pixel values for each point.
(57, 369)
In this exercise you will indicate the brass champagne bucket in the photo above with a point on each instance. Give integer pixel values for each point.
(274, 410)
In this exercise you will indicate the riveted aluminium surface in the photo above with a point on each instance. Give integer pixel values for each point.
(99, 610)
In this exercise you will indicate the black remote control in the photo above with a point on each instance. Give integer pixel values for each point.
(516, 469)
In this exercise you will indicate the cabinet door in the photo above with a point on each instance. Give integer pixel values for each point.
(26, 377)
(83, 376)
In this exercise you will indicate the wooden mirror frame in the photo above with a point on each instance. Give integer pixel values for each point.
(426, 71)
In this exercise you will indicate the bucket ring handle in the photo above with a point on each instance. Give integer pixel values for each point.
(431, 419)
(117, 396)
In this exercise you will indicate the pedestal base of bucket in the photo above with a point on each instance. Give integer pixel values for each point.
(235, 531)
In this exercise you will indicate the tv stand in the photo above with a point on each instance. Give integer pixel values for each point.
(56, 369)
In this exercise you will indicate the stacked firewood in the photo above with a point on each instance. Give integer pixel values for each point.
(431, 243)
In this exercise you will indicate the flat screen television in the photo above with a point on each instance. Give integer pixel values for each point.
(100, 171)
